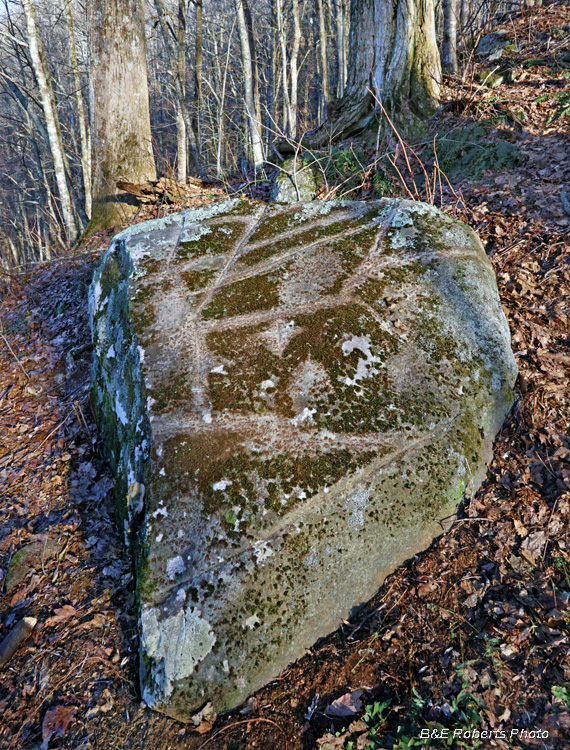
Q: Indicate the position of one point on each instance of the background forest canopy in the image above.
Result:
(227, 80)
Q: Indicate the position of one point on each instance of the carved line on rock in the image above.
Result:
(296, 514)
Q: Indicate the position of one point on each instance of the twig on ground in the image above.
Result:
(245, 721)
(15, 356)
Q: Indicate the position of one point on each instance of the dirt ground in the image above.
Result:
(475, 632)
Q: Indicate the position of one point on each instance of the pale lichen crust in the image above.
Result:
(293, 397)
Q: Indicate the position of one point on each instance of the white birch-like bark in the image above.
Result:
(249, 87)
(198, 66)
(294, 68)
(83, 125)
(282, 33)
(182, 140)
(49, 106)
(323, 61)
(121, 136)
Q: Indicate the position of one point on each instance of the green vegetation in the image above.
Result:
(468, 152)
(563, 109)
(415, 729)
(562, 694)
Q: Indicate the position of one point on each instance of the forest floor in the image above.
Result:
(474, 633)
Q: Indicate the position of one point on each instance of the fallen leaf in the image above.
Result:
(56, 722)
(61, 615)
(330, 742)
(348, 704)
(205, 719)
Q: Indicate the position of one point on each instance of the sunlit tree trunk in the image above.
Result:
(179, 80)
(198, 66)
(249, 70)
(323, 60)
(181, 73)
(392, 53)
(341, 37)
(49, 106)
(83, 125)
(294, 67)
(122, 145)
(282, 33)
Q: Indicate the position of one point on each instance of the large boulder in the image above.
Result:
(294, 399)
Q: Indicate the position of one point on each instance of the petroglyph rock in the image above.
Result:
(292, 397)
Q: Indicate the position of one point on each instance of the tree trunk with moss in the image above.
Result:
(393, 54)
(121, 137)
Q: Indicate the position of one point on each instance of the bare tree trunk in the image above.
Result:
(83, 126)
(294, 67)
(272, 88)
(173, 56)
(462, 17)
(249, 86)
(49, 107)
(122, 145)
(449, 51)
(181, 73)
(393, 52)
(198, 67)
(281, 30)
(341, 30)
(323, 61)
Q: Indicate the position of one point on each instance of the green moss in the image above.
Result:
(471, 150)
(173, 392)
(245, 296)
(272, 226)
(433, 339)
(220, 238)
(143, 316)
(149, 265)
(239, 389)
(341, 407)
(110, 276)
(165, 285)
(352, 251)
(244, 207)
(197, 279)
(309, 236)
(373, 291)
(252, 481)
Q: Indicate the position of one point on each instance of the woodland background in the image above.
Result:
(225, 83)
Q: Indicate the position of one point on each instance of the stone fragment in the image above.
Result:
(294, 400)
(296, 182)
(492, 42)
(29, 557)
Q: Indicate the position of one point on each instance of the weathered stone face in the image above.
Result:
(293, 398)
(296, 182)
